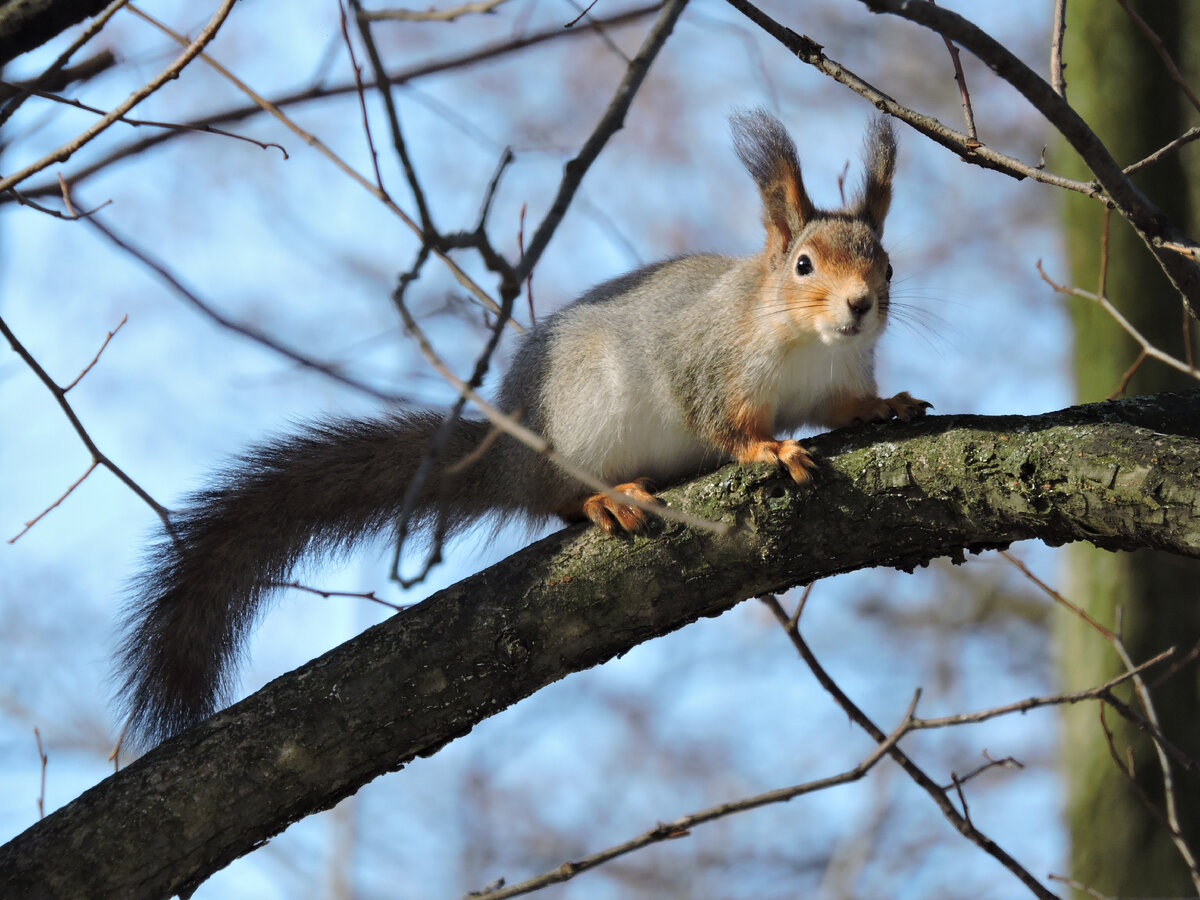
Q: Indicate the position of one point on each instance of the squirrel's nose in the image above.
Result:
(860, 305)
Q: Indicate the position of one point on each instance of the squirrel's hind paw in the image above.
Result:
(612, 516)
(789, 454)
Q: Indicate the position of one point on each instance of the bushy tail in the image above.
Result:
(318, 491)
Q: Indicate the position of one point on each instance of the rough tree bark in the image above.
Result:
(1122, 475)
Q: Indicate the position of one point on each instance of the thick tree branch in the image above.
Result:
(26, 24)
(1122, 474)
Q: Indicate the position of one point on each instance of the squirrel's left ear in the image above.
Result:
(876, 196)
(766, 150)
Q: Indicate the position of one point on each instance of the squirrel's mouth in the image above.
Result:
(849, 330)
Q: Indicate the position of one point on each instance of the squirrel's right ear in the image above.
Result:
(876, 195)
(767, 152)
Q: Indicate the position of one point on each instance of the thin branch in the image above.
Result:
(41, 800)
(316, 143)
(65, 494)
(1079, 886)
(98, 458)
(160, 269)
(1105, 692)
(321, 92)
(1152, 226)
(151, 123)
(811, 53)
(191, 50)
(356, 595)
(931, 787)
(362, 94)
(1147, 348)
(1057, 32)
(393, 114)
(1169, 795)
(963, 94)
(1100, 692)
(1186, 138)
(612, 120)
(1058, 598)
(479, 7)
(682, 826)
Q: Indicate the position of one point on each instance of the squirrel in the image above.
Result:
(650, 377)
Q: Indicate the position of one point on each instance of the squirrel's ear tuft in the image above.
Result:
(767, 152)
(876, 196)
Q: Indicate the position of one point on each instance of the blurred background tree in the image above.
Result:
(1118, 82)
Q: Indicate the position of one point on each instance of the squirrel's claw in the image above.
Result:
(613, 516)
(905, 407)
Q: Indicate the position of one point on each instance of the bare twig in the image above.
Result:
(1152, 226)
(1105, 691)
(98, 458)
(583, 11)
(1079, 886)
(963, 94)
(682, 826)
(95, 359)
(612, 120)
(191, 50)
(1186, 138)
(1170, 800)
(1100, 692)
(389, 103)
(430, 15)
(321, 92)
(65, 494)
(915, 772)
(151, 123)
(160, 269)
(312, 140)
(356, 595)
(1147, 348)
(362, 94)
(41, 800)
(1058, 598)
(1057, 31)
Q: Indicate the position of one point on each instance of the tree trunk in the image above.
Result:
(1119, 84)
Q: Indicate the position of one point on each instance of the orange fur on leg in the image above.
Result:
(750, 441)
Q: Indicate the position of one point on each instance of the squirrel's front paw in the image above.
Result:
(789, 454)
(905, 407)
(612, 516)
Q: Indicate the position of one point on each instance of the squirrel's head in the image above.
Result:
(825, 273)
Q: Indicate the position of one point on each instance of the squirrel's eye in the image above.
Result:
(804, 265)
(888, 275)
